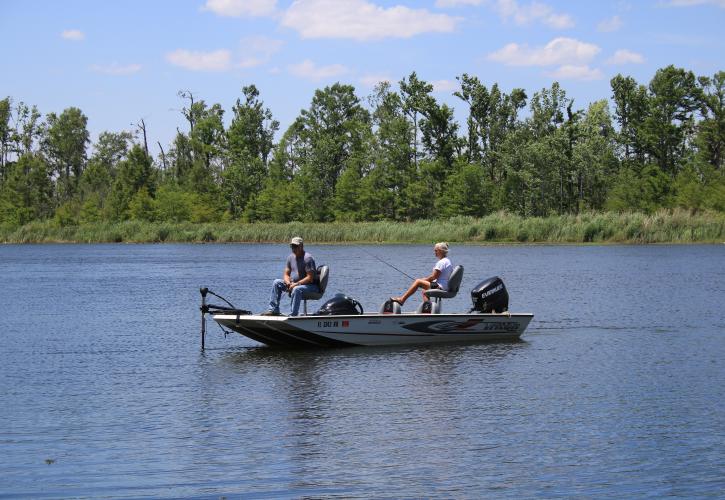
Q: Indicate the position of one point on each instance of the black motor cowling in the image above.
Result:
(490, 296)
(340, 305)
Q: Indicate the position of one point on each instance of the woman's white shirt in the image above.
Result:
(446, 268)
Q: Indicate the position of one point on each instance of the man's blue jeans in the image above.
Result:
(279, 286)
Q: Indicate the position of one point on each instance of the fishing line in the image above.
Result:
(388, 264)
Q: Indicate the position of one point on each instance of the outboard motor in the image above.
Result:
(339, 305)
(490, 296)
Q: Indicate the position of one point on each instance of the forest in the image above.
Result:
(395, 155)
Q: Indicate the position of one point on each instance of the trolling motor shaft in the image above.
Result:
(216, 309)
(204, 309)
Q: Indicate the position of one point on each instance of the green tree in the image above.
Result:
(467, 191)
(492, 115)
(250, 143)
(65, 146)
(100, 172)
(440, 134)
(28, 130)
(421, 192)
(5, 135)
(336, 132)
(710, 139)
(134, 173)
(674, 95)
(208, 137)
(546, 154)
(416, 98)
(594, 157)
(173, 204)
(27, 193)
(382, 192)
(346, 201)
(181, 158)
(141, 206)
(631, 108)
(645, 191)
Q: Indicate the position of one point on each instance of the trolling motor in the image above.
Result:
(216, 309)
(490, 296)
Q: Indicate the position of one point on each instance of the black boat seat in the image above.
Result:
(436, 296)
(323, 273)
(390, 307)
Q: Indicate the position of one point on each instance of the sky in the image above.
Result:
(123, 61)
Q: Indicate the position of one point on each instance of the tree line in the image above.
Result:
(394, 155)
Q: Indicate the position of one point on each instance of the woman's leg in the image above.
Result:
(419, 283)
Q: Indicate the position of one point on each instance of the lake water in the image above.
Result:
(617, 389)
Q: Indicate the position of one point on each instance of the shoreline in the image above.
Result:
(662, 227)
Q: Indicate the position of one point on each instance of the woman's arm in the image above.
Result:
(433, 276)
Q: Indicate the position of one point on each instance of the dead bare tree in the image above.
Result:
(163, 155)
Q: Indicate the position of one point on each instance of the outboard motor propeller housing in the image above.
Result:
(490, 296)
(340, 305)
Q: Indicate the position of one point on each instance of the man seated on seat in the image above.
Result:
(298, 278)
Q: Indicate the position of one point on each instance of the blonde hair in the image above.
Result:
(442, 246)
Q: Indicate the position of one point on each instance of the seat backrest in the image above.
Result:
(454, 283)
(323, 273)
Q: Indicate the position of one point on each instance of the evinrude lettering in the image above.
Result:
(492, 291)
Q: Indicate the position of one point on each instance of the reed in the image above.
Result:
(665, 226)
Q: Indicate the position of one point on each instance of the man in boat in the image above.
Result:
(438, 277)
(298, 278)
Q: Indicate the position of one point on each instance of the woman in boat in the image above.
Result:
(437, 279)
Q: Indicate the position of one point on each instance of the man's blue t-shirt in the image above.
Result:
(306, 263)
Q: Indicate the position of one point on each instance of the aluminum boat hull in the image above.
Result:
(376, 329)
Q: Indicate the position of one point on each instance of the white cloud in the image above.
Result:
(576, 72)
(559, 51)
(116, 69)
(257, 50)
(692, 3)
(218, 60)
(533, 12)
(361, 20)
(75, 35)
(456, 3)
(373, 80)
(241, 8)
(310, 71)
(445, 86)
(610, 25)
(253, 51)
(624, 56)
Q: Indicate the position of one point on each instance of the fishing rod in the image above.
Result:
(388, 264)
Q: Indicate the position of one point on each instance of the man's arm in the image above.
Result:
(310, 278)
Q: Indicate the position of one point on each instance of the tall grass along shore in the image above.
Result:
(665, 226)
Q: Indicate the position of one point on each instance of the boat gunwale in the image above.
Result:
(258, 317)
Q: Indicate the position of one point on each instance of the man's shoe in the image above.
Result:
(269, 313)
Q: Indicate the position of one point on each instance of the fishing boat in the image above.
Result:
(341, 321)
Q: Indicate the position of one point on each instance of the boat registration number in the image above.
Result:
(333, 324)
